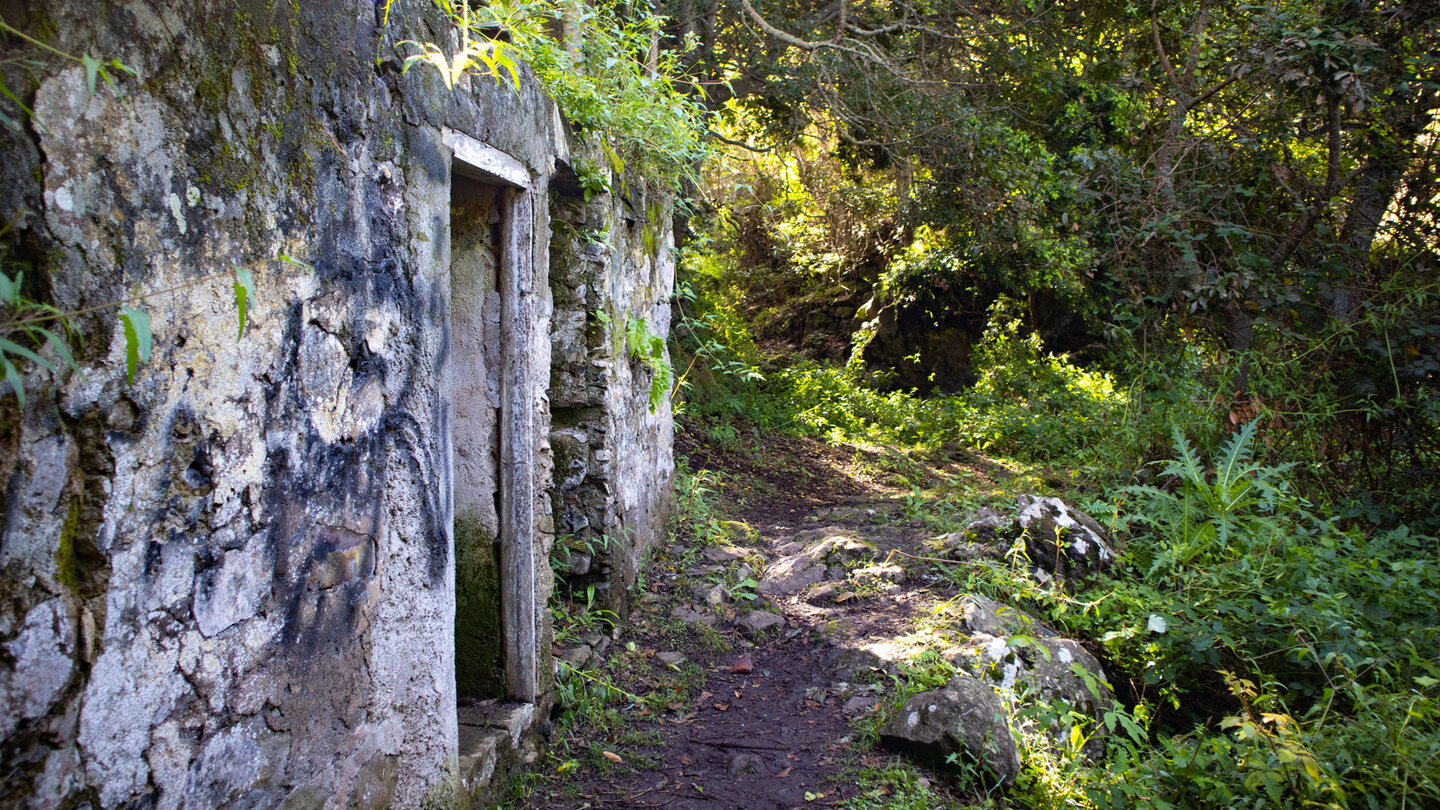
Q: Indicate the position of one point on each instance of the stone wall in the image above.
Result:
(608, 264)
(232, 582)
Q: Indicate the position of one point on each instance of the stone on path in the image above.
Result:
(821, 555)
(690, 616)
(758, 621)
(965, 717)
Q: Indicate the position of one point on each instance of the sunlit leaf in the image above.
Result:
(244, 291)
(137, 340)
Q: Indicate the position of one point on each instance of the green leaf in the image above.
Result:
(288, 259)
(61, 348)
(244, 290)
(10, 288)
(11, 347)
(92, 69)
(13, 377)
(137, 340)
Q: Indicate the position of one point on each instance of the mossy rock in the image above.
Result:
(740, 533)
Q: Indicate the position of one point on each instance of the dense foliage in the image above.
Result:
(1179, 261)
(1250, 187)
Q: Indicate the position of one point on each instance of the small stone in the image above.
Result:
(858, 705)
(578, 657)
(822, 593)
(690, 616)
(711, 594)
(670, 658)
(742, 665)
(882, 573)
(746, 763)
(721, 554)
(758, 621)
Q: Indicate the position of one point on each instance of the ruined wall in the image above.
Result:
(232, 582)
(608, 263)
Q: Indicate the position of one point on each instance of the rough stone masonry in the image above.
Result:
(233, 582)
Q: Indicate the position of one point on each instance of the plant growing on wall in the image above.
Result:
(649, 349)
(24, 320)
(608, 78)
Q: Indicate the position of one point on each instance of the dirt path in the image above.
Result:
(768, 718)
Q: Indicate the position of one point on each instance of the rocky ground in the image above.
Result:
(826, 648)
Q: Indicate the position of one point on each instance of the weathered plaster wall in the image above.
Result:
(231, 583)
(609, 262)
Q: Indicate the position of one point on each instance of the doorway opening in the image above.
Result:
(476, 257)
(492, 401)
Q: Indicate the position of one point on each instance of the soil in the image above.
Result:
(778, 735)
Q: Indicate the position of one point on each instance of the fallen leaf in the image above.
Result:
(612, 756)
(722, 707)
(737, 694)
(675, 707)
(686, 760)
(845, 597)
(784, 773)
(706, 695)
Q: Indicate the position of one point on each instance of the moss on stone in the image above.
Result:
(67, 571)
(479, 634)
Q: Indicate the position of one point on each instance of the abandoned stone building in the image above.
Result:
(306, 563)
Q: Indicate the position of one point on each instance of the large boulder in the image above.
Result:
(814, 556)
(1047, 669)
(966, 718)
(1061, 539)
(981, 614)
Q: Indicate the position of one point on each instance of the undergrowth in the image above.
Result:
(1274, 640)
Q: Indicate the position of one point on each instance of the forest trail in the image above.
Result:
(775, 695)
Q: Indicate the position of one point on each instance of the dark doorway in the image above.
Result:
(476, 260)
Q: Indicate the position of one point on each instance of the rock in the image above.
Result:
(792, 574)
(670, 658)
(964, 552)
(857, 665)
(858, 705)
(965, 717)
(821, 557)
(742, 666)
(723, 554)
(758, 621)
(578, 656)
(572, 560)
(1045, 669)
(690, 616)
(981, 614)
(44, 660)
(823, 593)
(746, 763)
(236, 589)
(738, 531)
(988, 534)
(1062, 539)
(711, 594)
(892, 573)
